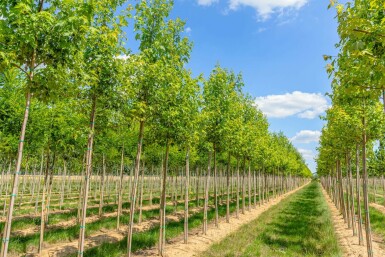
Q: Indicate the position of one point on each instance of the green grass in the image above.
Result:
(21, 244)
(149, 238)
(299, 225)
(377, 221)
(55, 218)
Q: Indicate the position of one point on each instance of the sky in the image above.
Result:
(278, 46)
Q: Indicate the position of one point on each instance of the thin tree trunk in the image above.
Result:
(365, 192)
(81, 186)
(87, 177)
(237, 211)
(243, 186)
(207, 188)
(197, 186)
(8, 221)
(259, 188)
(353, 213)
(255, 188)
(187, 183)
(358, 189)
(249, 186)
(102, 187)
(120, 189)
(162, 227)
(341, 191)
(383, 188)
(39, 182)
(215, 188)
(63, 184)
(228, 189)
(134, 186)
(50, 188)
(42, 220)
(152, 184)
(141, 194)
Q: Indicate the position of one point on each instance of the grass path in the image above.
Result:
(299, 225)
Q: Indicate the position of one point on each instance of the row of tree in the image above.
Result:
(352, 141)
(65, 72)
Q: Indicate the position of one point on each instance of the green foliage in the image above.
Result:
(358, 83)
(71, 55)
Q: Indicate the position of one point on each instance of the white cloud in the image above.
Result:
(265, 8)
(303, 105)
(123, 57)
(307, 154)
(188, 30)
(207, 2)
(306, 136)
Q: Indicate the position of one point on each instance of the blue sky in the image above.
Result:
(278, 47)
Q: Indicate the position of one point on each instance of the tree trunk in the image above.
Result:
(133, 188)
(259, 188)
(39, 182)
(255, 188)
(353, 213)
(383, 188)
(249, 186)
(162, 227)
(215, 188)
(207, 188)
(87, 177)
(187, 183)
(42, 220)
(228, 189)
(8, 221)
(120, 189)
(197, 186)
(102, 187)
(243, 186)
(63, 184)
(341, 191)
(141, 194)
(365, 192)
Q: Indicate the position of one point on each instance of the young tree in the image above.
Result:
(162, 52)
(42, 39)
(102, 78)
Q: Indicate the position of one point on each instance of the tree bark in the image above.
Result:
(187, 183)
(162, 209)
(134, 186)
(87, 177)
(120, 189)
(8, 221)
(216, 187)
(207, 188)
(102, 186)
(365, 192)
(228, 189)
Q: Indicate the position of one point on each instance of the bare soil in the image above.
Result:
(347, 241)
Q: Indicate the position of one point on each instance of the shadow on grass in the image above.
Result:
(302, 227)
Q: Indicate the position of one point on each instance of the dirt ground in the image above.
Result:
(347, 241)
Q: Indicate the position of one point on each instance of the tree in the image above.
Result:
(41, 39)
(162, 52)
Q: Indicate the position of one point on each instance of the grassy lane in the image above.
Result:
(299, 225)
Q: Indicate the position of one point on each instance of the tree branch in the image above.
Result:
(367, 32)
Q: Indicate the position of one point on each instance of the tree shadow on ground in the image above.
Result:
(300, 227)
